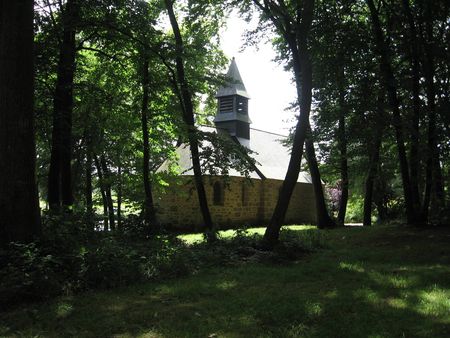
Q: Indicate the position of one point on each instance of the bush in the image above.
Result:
(355, 209)
(26, 273)
(72, 258)
(110, 264)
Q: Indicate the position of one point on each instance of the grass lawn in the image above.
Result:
(367, 282)
(198, 237)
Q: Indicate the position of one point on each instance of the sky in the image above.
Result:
(269, 86)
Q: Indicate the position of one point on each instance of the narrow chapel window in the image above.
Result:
(218, 194)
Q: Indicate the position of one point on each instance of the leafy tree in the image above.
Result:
(184, 88)
(416, 210)
(292, 21)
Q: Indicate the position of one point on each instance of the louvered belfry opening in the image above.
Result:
(229, 104)
(232, 105)
(226, 104)
(242, 105)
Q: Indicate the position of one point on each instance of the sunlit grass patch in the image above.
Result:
(313, 309)
(198, 237)
(355, 267)
(147, 334)
(192, 238)
(63, 309)
(435, 302)
(368, 295)
(298, 330)
(397, 303)
(227, 284)
(400, 282)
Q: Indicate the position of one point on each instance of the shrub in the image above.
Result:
(355, 209)
(111, 263)
(26, 273)
(73, 257)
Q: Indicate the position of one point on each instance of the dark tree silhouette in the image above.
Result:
(19, 207)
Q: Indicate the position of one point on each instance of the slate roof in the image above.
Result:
(271, 155)
(235, 85)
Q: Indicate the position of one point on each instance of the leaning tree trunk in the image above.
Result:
(394, 102)
(19, 206)
(185, 96)
(323, 218)
(149, 207)
(60, 177)
(297, 42)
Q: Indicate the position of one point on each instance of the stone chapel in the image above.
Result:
(242, 201)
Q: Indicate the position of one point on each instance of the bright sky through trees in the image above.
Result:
(267, 83)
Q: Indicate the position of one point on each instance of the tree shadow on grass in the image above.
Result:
(393, 287)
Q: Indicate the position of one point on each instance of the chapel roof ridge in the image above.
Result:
(269, 132)
(257, 129)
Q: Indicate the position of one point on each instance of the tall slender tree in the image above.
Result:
(394, 103)
(374, 160)
(149, 207)
(60, 192)
(433, 169)
(185, 97)
(292, 21)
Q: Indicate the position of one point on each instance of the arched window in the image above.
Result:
(218, 194)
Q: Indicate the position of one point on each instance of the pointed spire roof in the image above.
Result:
(234, 84)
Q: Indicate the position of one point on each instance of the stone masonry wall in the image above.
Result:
(245, 202)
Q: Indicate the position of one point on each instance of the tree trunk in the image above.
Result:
(394, 102)
(19, 204)
(108, 193)
(298, 46)
(119, 197)
(415, 133)
(323, 218)
(433, 173)
(185, 96)
(88, 181)
(149, 207)
(342, 135)
(101, 183)
(60, 178)
(342, 140)
(373, 165)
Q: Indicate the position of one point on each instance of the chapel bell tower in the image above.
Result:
(232, 110)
